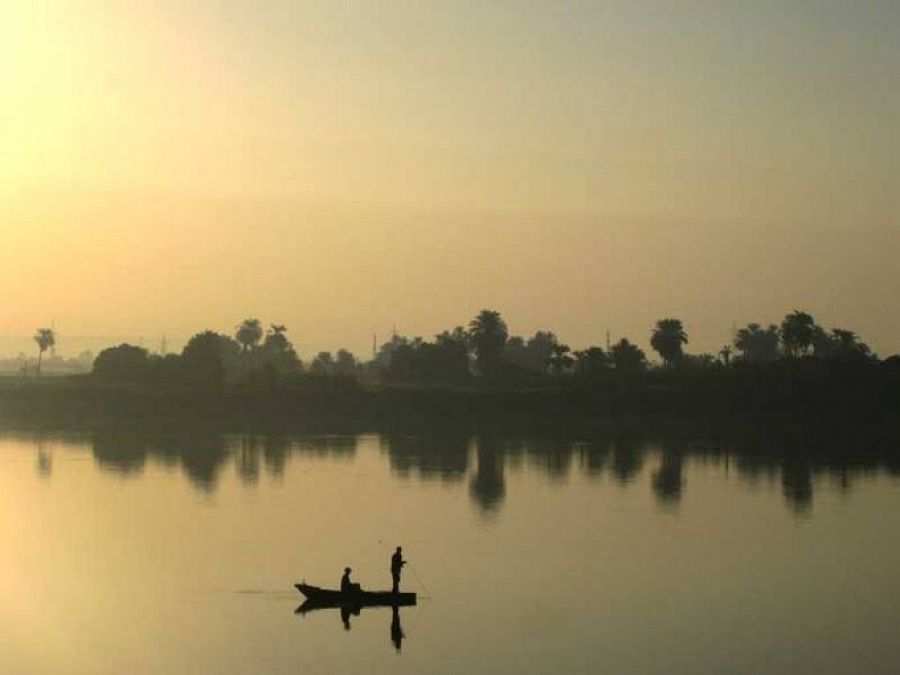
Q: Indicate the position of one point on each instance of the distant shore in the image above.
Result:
(796, 393)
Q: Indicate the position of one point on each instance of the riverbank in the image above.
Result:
(807, 395)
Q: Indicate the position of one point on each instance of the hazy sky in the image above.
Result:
(342, 167)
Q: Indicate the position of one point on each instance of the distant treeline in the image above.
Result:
(482, 353)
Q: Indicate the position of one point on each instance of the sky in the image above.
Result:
(345, 168)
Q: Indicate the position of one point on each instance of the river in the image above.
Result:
(177, 553)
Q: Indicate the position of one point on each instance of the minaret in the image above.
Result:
(163, 346)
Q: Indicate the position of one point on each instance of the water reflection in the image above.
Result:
(792, 457)
(668, 478)
(346, 612)
(444, 457)
(488, 485)
(44, 460)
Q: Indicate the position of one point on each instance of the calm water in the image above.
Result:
(126, 554)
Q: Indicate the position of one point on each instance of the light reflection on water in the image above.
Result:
(131, 552)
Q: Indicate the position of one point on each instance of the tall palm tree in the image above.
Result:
(798, 330)
(487, 335)
(45, 338)
(249, 333)
(668, 339)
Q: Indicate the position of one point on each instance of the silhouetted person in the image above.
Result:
(396, 631)
(348, 586)
(397, 563)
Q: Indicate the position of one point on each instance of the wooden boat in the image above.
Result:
(322, 597)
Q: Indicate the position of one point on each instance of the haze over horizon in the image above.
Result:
(344, 169)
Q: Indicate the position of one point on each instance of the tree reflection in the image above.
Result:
(442, 456)
(797, 486)
(789, 456)
(44, 459)
(593, 457)
(488, 486)
(121, 451)
(668, 479)
(627, 459)
(553, 457)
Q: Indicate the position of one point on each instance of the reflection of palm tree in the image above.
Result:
(627, 460)
(593, 457)
(796, 484)
(555, 457)
(488, 486)
(668, 479)
(275, 451)
(248, 460)
(44, 459)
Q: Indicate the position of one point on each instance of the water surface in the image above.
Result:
(177, 554)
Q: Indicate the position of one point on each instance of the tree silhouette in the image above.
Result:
(45, 338)
(533, 355)
(278, 352)
(122, 363)
(840, 344)
(560, 359)
(846, 344)
(345, 363)
(798, 330)
(249, 333)
(591, 361)
(487, 335)
(323, 364)
(208, 357)
(757, 344)
(628, 357)
(725, 354)
(668, 339)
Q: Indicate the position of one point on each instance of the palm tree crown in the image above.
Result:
(668, 339)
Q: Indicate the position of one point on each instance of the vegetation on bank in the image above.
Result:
(482, 353)
(478, 371)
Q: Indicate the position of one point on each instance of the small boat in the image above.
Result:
(323, 597)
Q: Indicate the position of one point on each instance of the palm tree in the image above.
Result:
(668, 338)
(798, 330)
(248, 334)
(487, 334)
(45, 339)
(277, 351)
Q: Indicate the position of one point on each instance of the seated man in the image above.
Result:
(348, 586)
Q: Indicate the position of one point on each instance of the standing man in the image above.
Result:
(397, 563)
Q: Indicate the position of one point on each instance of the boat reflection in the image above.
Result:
(347, 611)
